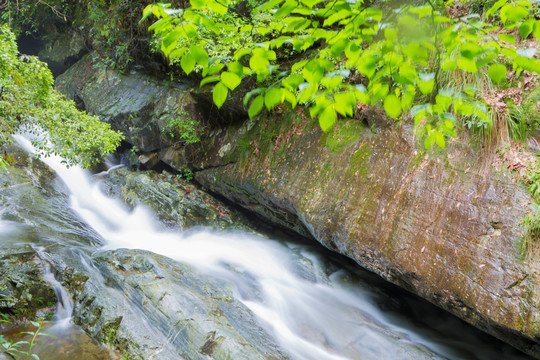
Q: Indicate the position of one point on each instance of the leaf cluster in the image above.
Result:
(345, 53)
(29, 102)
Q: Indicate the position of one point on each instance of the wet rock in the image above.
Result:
(135, 104)
(443, 226)
(23, 292)
(62, 49)
(149, 306)
(176, 202)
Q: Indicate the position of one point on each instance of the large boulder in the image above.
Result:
(136, 104)
(444, 226)
(152, 307)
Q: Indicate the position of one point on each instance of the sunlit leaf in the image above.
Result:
(187, 63)
(231, 80)
(392, 106)
(256, 106)
(497, 72)
(219, 95)
(327, 118)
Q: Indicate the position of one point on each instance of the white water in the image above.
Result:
(64, 305)
(313, 319)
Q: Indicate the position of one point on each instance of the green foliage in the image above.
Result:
(182, 128)
(23, 347)
(338, 53)
(110, 25)
(28, 102)
(185, 174)
(525, 117)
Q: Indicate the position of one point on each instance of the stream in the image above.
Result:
(310, 303)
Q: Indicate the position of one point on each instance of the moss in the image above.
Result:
(359, 162)
(343, 134)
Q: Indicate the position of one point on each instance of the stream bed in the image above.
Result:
(160, 293)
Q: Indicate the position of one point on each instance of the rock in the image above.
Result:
(423, 222)
(149, 306)
(23, 291)
(135, 104)
(176, 202)
(62, 49)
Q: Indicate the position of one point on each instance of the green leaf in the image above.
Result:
(187, 63)
(495, 7)
(345, 103)
(236, 68)
(508, 38)
(238, 54)
(367, 64)
(526, 28)
(337, 49)
(392, 106)
(512, 14)
(172, 37)
(408, 73)
(216, 7)
(285, 9)
(231, 80)
(497, 72)
(197, 4)
(439, 139)
(327, 118)
(426, 82)
(293, 81)
(219, 94)
(331, 82)
(256, 106)
(199, 54)
(467, 64)
(340, 15)
(215, 68)
(536, 29)
(407, 98)
(272, 98)
(209, 79)
(470, 50)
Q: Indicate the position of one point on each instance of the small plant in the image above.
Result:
(14, 349)
(185, 174)
(182, 128)
(527, 244)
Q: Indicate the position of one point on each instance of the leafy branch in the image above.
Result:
(399, 62)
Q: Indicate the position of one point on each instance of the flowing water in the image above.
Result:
(336, 313)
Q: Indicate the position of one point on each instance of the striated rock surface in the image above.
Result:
(443, 226)
(176, 202)
(152, 307)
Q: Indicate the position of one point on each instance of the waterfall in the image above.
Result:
(311, 316)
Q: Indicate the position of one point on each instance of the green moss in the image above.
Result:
(359, 162)
(343, 134)
(244, 146)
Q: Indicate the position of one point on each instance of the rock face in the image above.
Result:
(442, 226)
(152, 307)
(177, 203)
(134, 103)
(23, 290)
